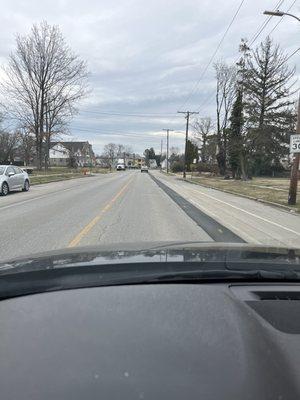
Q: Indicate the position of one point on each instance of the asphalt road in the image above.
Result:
(110, 208)
(132, 207)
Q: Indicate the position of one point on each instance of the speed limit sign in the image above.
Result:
(295, 144)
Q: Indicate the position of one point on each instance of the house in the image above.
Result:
(152, 163)
(134, 160)
(75, 154)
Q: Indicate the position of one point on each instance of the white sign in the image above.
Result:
(295, 144)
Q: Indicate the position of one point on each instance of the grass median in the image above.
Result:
(271, 190)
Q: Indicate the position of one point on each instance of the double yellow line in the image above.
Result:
(74, 242)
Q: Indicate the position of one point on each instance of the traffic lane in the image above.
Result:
(253, 221)
(144, 213)
(42, 190)
(50, 222)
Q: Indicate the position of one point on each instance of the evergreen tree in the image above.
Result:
(268, 108)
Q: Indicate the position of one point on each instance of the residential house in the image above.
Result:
(76, 154)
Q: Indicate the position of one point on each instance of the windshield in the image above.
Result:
(146, 125)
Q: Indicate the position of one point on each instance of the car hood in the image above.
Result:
(154, 253)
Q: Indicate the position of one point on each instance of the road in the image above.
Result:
(134, 207)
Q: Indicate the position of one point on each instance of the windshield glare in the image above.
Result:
(2, 169)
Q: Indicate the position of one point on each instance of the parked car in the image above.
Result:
(144, 168)
(120, 167)
(13, 178)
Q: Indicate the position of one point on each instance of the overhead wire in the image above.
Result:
(213, 55)
(115, 113)
(281, 19)
(255, 37)
(264, 25)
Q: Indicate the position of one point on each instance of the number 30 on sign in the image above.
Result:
(295, 144)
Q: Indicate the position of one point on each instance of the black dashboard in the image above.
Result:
(161, 341)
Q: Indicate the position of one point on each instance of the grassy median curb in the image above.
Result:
(271, 191)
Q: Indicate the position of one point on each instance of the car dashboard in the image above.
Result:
(152, 341)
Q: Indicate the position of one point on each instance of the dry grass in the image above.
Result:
(273, 190)
(66, 170)
(36, 180)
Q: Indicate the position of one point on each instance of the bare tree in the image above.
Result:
(43, 82)
(26, 145)
(9, 143)
(225, 91)
(202, 130)
(110, 154)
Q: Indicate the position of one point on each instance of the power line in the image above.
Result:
(254, 38)
(144, 115)
(213, 55)
(281, 19)
(114, 131)
(264, 25)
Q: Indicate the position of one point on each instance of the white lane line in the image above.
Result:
(239, 209)
(43, 196)
(248, 212)
(236, 230)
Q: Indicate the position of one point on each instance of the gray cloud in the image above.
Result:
(144, 57)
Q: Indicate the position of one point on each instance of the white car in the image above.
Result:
(144, 168)
(120, 167)
(13, 178)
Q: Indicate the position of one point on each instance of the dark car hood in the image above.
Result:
(157, 252)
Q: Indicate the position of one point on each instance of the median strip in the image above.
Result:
(96, 219)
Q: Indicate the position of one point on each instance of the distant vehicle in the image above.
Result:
(120, 167)
(144, 168)
(13, 178)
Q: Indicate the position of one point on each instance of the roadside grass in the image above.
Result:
(37, 180)
(62, 173)
(273, 190)
(66, 170)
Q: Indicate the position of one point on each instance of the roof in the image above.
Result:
(73, 146)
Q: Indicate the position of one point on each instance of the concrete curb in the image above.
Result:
(270, 203)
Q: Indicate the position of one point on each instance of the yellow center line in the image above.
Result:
(74, 242)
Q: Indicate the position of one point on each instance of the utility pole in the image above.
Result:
(295, 167)
(168, 131)
(161, 147)
(187, 117)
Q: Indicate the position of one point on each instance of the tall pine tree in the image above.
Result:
(269, 111)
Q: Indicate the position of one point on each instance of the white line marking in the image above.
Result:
(236, 230)
(249, 213)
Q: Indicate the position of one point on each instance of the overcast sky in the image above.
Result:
(145, 58)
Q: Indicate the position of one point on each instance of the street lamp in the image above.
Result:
(279, 13)
(295, 167)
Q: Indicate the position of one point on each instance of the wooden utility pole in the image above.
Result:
(161, 147)
(168, 131)
(187, 116)
(295, 168)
